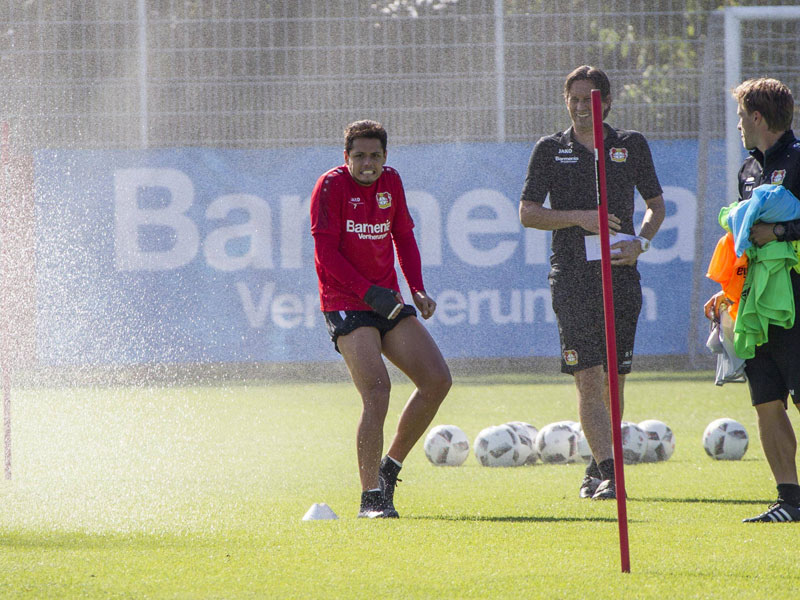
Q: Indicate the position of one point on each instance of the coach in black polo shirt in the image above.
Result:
(765, 110)
(562, 166)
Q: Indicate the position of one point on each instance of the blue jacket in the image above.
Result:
(770, 204)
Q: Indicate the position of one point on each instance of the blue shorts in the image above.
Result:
(342, 322)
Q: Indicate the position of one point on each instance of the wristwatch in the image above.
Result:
(644, 243)
(779, 229)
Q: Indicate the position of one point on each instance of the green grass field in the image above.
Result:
(199, 493)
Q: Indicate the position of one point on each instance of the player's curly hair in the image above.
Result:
(598, 78)
(770, 97)
(364, 129)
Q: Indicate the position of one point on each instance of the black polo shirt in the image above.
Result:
(773, 372)
(780, 165)
(565, 169)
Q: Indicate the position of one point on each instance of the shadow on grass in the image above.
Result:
(702, 500)
(83, 541)
(512, 519)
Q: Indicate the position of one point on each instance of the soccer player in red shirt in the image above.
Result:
(358, 216)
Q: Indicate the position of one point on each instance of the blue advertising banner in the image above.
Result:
(205, 255)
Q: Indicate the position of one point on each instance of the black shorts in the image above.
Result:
(342, 322)
(774, 372)
(578, 305)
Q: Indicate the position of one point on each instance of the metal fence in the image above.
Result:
(254, 74)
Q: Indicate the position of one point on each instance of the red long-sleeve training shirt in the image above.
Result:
(353, 228)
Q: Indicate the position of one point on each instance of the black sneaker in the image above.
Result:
(607, 490)
(588, 486)
(371, 505)
(387, 478)
(780, 512)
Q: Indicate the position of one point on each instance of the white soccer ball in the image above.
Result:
(725, 439)
(573, 424)
(557, 443)
(634, 443)
(527, 435)
(576, 427)
(497, 446)
(660, 440)
(446, 445)
(534, 452)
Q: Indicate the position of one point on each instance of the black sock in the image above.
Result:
(592, 470)
(370, 498)
(606, 468)
(390, 466)
(789, 493)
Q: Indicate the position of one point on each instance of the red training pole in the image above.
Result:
(611, 335)
(5, 353)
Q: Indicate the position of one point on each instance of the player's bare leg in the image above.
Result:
(412, 350)
(361, 351)
(780, 446)
(607, 395)
(594, 410)
(778, 440)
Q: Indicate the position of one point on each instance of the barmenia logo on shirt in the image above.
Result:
(369, 231)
